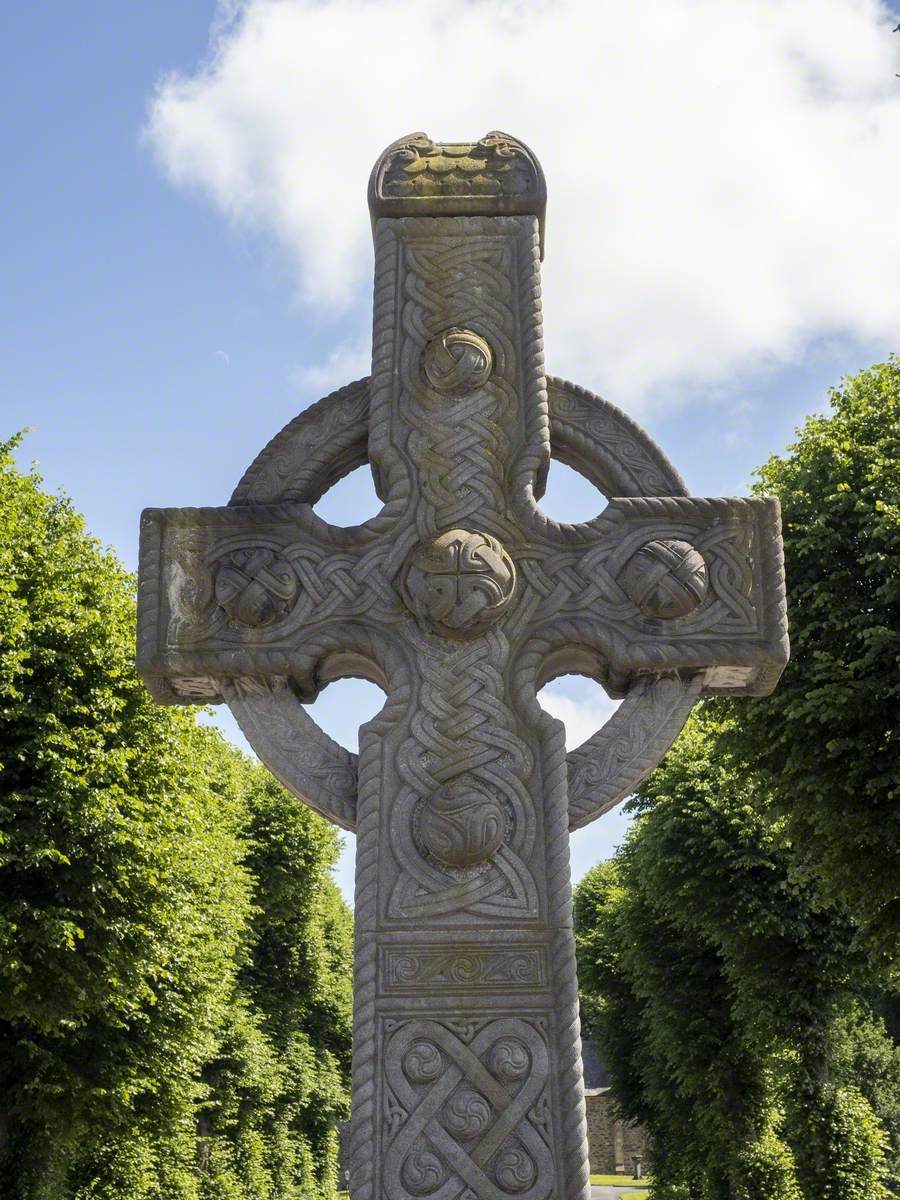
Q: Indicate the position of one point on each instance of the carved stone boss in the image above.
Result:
(461, 599)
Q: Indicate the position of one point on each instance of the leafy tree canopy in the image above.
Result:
(174, 995)
(733, 957)
(726, 997)
(827, 741)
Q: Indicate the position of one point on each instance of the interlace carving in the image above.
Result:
(665, 578)
(457, 362)
(460, 825)
(461, 441)
(460, 598)
(468, 1102)
(466, 736)
(255, 586)
(459, 582)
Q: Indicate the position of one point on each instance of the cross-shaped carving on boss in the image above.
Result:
(461, 599)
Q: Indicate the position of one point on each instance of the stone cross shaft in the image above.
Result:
(461, 599)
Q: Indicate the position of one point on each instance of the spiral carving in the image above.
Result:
(466, 1114)
(470, 1122)
(422, 1172)
(510, 1060)
(514, 1169)
(460, 826)
(423, 1062)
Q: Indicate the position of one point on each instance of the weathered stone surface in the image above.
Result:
(461, 599)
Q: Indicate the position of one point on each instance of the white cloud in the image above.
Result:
(582, 718)
(724, 178)
(345, 362)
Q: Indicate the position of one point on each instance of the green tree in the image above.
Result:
(864, 1051)
(656, 999)
(826, 743)
(278, 1088)
(758, 885)
(720, 987)
(122, 901)
(141, 1044)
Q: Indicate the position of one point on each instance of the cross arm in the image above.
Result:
(236, 593)
(664, 584)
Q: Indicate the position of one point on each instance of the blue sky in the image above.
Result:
(164, 317)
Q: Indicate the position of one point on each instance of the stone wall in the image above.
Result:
(612, 1142)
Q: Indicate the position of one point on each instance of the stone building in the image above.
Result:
(612, 1142)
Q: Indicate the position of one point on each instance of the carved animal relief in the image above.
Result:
(460, 599)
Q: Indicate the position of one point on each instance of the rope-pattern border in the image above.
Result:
(574, 1166)
(372, 745)
(531, 469)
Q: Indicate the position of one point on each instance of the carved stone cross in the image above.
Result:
(461, 599)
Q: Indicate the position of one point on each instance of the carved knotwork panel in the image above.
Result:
(609, 593)
(463, 831)
(453, 433)
(229, 589)
(465, 1106)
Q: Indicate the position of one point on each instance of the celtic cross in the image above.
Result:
(461, 599)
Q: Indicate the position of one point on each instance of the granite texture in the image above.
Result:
(460, 599)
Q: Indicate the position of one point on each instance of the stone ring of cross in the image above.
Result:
(461, 599)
